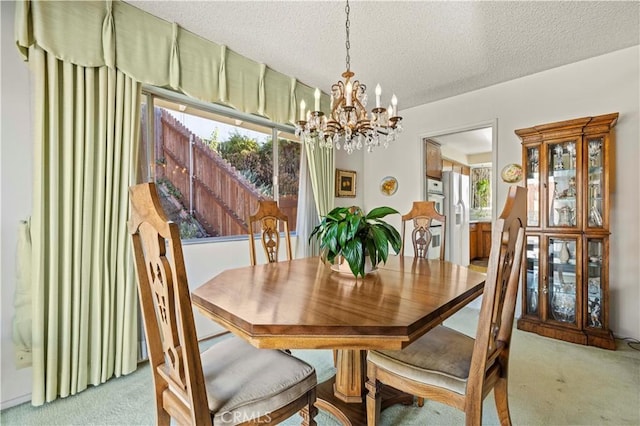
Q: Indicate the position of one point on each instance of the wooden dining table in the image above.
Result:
(304, 304)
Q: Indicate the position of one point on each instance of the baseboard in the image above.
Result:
(15, 401)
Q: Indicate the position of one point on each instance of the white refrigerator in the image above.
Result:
(456, 209)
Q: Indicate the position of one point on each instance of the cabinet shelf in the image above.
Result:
(567, 293)
(564, 173)
(564, 293)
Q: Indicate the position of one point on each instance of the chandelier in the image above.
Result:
(349, 126)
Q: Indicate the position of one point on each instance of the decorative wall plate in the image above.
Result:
(512, 173)
(389, 185)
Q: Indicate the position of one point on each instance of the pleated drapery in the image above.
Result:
(84, 290)
(89, 60)
(159, 53)
(307, 217)
(321, 170)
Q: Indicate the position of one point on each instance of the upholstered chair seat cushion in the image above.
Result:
(244, 382)
(442, 357)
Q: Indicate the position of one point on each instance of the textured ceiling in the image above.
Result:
(422, 50)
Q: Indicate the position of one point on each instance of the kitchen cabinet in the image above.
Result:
(479, 240)
(433, 159)
(454, 166)
(567, 166)
(473, 241)
(484, 239)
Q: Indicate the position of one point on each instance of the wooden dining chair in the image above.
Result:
(449, 367)
(230, 383)
(268, 217)
(422, 215)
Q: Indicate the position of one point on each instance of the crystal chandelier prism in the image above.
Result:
(349, 126)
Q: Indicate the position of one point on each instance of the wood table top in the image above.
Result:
(304, 304)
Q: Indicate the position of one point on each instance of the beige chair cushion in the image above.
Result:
(441, 357)
(244, 382)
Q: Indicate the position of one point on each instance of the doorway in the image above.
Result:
(465, 149)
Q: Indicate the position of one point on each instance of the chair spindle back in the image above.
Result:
(269, 216)
(166, 306)
(422, 214)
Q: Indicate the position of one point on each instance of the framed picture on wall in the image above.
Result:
(345, 183)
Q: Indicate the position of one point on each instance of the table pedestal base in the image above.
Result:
(354, 413)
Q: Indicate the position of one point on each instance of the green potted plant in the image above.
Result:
(347, 232)
(482, 192)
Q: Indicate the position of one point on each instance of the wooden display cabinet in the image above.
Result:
(565, 280)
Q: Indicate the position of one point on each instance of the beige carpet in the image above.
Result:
(479, 265)
(551, 383)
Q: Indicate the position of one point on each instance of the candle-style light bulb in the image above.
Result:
(348, 91)
(303, 105)
(394, 102)
(390, 111)
(316, 95)
(378, 93)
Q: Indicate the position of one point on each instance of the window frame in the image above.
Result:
(226, 115)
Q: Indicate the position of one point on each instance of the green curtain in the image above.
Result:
(84, 290)
(159, 53)
(322, 173)
(307, 217)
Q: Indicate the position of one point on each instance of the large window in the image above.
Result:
(212, 165)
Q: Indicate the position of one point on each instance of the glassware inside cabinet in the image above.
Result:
(532, 269)
(533, 186)
(562, 184)
(594, 279)
(595, 180)
(562, 279)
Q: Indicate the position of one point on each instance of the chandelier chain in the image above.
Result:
(349, 126)
(347, 44)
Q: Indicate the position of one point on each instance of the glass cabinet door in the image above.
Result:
(595, 181)
(532, 275)
(562, 279)
(532, 165)
(595, 278)
(562, 184)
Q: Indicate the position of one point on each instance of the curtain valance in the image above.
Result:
(156, 52)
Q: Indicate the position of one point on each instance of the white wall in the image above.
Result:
(609, 83)
(16, 158)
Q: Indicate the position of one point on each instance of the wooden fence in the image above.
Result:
(222, 198)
